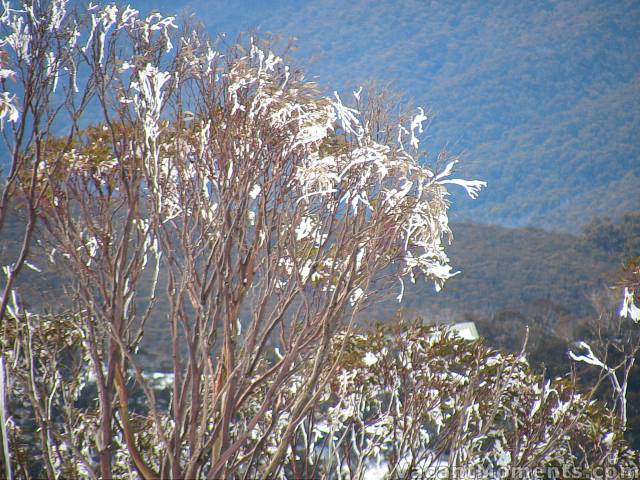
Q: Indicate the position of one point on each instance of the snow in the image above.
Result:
(629, 308)
(370, 359)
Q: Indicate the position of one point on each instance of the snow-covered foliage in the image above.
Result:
(415, 401)
(47, 370)
(630, 283)
(405, 401)
(52, 389)
(629, 308)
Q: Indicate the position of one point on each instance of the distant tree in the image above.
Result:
(602, 233)
(621, 239)
(630, 228)
(611, 344)
(630, 284)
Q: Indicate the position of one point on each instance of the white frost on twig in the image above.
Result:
(629, 308)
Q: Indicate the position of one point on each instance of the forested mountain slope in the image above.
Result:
(527, 270)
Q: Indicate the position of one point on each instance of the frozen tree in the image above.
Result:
(263, 213)
(38, 57)
(411, 401)
(615, 341)
(631, 291)
(272, 211)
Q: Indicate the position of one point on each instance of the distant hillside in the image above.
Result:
(525, 269)
(541, 98)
